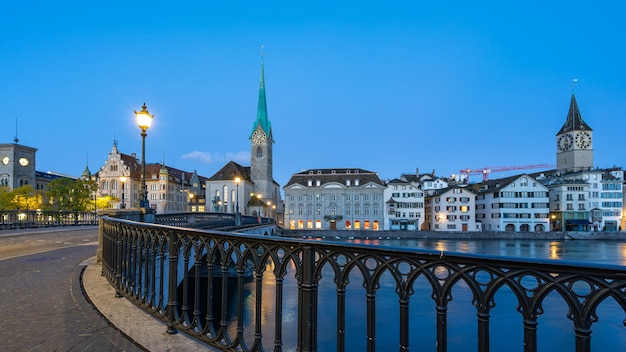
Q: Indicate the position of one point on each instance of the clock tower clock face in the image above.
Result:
(23, 161)
(5, 160)
(258, 137)
(583, 140)
(565, 142)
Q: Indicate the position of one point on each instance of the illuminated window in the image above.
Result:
(309, 224)
(300, 224)
(348, 224)
(376, 228)
(318, 224)
(357, 224)
(366, 224)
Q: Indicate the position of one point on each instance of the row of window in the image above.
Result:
(375, 210)
(303, 197)
(523, 194)
(317, 224)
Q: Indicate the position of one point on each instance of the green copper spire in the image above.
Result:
(261, 114)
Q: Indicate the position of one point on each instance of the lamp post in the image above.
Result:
(123, 180)
(144, 120)
(237, 213)
(237, 180)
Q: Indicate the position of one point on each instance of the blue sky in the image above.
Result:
(388, 87)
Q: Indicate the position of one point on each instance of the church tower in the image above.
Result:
(574, 142)
(261, 147)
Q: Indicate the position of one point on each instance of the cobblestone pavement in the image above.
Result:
(42, 305)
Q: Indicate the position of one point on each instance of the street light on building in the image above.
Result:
(123, 180)
(144, 120)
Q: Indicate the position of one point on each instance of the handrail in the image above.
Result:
(194, 280)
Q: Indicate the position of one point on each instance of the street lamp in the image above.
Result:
(237, 180)
(144, 120)
(123, 180)
(237, 213)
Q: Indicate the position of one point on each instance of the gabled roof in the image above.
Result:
(574, 121)
(438, 192)
(326, 176)
(230, 171)
(495, 185)
(395, 180)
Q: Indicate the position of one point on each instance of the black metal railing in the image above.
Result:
(39, 218)
(253, 293)
(208, 220)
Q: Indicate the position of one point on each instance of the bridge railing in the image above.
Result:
(252, 293)
(15, 219)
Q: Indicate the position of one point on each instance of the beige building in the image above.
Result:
(451, 209)
(170, 190)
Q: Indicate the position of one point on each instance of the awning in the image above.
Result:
(579, 222)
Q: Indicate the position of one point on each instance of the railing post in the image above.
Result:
(307, 302)
(483, 331)
(583, 339)
(442, 328)
(530, 335)
(172, 279)
(118, 261)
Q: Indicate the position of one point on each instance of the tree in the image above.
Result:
(68, 194)
(23, 198)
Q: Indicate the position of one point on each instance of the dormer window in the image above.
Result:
(318, 183)
(310, 183)
(333, 172)
(347, 182)
(348, 172)
(319, 172)
(356, 182)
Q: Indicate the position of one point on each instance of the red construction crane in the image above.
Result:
(487, 170)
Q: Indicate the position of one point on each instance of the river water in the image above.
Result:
(554, 333)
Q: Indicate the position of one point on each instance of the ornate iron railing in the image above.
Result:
(254, 293)
(38, 218)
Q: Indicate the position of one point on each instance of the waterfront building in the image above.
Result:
(404, 205)
(451, 209)
(329, 199)
(256, 192)
(512, 204)
(170, 190)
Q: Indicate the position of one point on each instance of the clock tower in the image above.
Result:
(17, 165)
(574, 142)
(261, 147)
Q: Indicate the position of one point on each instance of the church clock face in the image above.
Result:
(258, 137)
(23, 161)
(583, 140)
(5, 160)
(565, 142)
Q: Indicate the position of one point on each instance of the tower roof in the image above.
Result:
(574, 121)
(261, 114)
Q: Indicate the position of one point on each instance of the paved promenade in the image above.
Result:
(54, 298)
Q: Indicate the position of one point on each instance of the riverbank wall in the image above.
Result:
(440, 235)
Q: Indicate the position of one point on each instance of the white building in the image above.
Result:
(329, 199)
(512, 204)
(451, 209)
(404, 206)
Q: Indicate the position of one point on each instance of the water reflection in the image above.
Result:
(556, 331)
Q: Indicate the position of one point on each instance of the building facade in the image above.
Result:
(512, 204)
(169, 190)
(404, 205)
(335, 199)
(451, 209)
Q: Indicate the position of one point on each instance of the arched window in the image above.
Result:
(259, 152)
